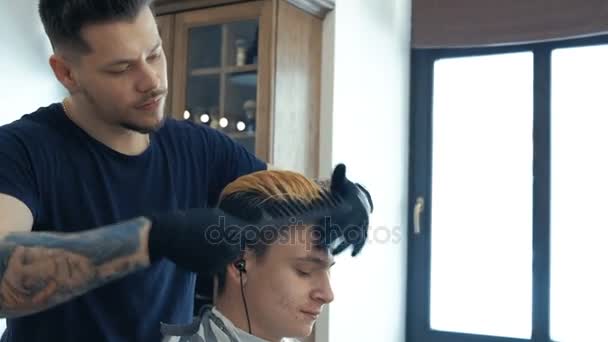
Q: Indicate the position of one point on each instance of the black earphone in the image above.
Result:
(241, 265)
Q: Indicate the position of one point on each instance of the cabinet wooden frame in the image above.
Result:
(216, 16)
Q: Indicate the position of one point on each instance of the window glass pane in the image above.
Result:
(242, 43)
(205, 47)
(579, 186)
(203, 98)
(481, 249)
(240, 107)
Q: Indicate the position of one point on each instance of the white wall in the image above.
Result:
(365, 124)
(26, 81)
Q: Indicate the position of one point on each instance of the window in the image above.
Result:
(509, 240)
(579, 187)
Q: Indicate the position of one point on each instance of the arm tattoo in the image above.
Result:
(40, 270)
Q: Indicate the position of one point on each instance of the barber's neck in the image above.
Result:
(82, 113)
(230, 304)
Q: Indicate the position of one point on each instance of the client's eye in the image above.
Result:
(302, 274)
(118, 71)
(154, 56)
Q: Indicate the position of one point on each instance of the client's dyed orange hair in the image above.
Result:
(274, 185)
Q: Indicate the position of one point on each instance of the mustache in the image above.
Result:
(151, 95)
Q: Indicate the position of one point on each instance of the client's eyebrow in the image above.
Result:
(316, 260)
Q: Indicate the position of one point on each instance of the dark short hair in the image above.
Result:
(63, 20)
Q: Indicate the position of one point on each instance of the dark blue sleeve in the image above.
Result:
(16, 172)
(228, 160)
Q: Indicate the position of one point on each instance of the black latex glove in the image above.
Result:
(202, 240)
(349, 228)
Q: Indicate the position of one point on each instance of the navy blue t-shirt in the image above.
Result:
(72, 182)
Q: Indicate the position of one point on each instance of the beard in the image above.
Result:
(133, 126)
(144, 129)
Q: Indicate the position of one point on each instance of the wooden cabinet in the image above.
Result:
(250, 69)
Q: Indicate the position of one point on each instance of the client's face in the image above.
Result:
(289, 286)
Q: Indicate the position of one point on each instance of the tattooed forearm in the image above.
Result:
(40, 270)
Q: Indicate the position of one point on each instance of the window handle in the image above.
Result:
(418, 209)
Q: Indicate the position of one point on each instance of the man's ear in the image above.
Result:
(64, 72)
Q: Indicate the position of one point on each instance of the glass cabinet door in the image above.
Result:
(221, 78)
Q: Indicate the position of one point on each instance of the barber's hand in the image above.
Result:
(349, 227)
(202, 240)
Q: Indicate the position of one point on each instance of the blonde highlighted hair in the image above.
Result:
(275, 186)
